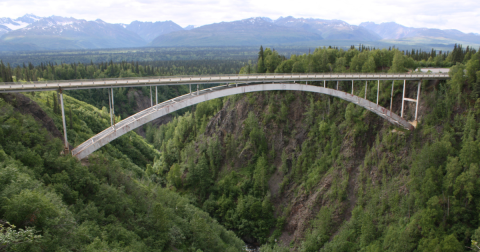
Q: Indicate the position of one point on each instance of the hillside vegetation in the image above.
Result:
(104, 203)
(314, 172)
(285, 170)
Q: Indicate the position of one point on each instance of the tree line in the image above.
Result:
(54, 71)
(355, 60)
(210, 166)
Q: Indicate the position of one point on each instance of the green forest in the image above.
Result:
(141, 54)
(281, 170)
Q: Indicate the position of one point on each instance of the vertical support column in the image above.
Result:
(391, 97)
(151, 99)
(366, 89)
(306, 82)
(64, 124)
(156, 95)
(352, 86)
(378, 89)
(113, 109)
(110, 107)
(324, 85)
(337, 84)
(418, 98)
(190, 88)
(403, 97)
(198, 92)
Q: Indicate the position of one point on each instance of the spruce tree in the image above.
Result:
(260, 54)
(261, 64)
(55, 104)
(476, 86)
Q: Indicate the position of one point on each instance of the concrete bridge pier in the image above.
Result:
(366, 82)
(391, 97)
(378, 89)
(412, 100)
(403, 98)
(110, 107)
(418, 99)
(65, 141)
(151, 99)
(112, 110)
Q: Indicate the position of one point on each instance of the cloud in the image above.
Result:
(462, 15)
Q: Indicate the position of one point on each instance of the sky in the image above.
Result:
(461, 15)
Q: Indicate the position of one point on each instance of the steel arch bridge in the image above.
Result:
(241, 84)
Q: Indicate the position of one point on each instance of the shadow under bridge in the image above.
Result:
(161, 109)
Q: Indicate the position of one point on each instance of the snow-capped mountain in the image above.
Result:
(31, 32)
(28, 18)
(69, 33)
(190, 27)
(329, 29)
(262, 30)
(392, 31)
(246, 32)
(150, 30)
(7, 24)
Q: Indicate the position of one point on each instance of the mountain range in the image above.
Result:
(391, 30)
(7, 24)
(31, 32)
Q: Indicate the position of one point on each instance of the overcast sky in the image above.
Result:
(462, 15)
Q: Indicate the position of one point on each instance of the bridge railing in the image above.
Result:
(132, 120)
(217, 76)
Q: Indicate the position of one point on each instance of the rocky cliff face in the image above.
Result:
(316, 173)
(25, 105)
(293, 123)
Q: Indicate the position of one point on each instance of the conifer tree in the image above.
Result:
(261, 64)
(55, 104)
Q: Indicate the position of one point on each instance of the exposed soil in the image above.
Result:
(296, 203)
(304, 206)
(25, 105)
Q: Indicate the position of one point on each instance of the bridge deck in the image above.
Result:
(161, 109)
(208, 79)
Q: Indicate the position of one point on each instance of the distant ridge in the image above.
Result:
(149, 30)
(262, 30)
(7, 24)
(329, 29)
(31, 32)
(392, 30)
(56, 32)
(247, 32)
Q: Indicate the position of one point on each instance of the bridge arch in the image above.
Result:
(161, 109)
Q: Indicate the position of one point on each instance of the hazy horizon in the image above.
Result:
(462, 15)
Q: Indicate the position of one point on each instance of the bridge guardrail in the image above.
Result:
(67, 84)
(87, 145)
